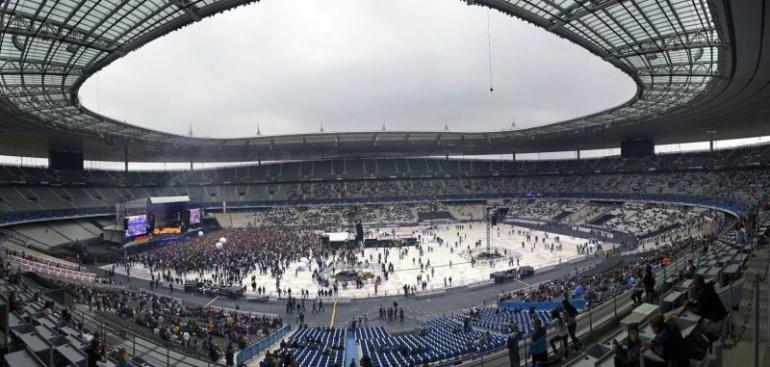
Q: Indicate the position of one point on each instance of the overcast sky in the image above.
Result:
(288, 65)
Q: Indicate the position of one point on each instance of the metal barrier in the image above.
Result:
(757, 312)
(593, 318)
(119, 336)
(140, 346)
(261, 345)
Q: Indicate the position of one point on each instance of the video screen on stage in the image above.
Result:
(169, 215)
(195, 216)
(136, 225)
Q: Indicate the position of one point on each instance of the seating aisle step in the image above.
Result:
(351, 351)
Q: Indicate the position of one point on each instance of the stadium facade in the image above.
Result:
(701, 69)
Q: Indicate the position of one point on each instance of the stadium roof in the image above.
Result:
(699, 66)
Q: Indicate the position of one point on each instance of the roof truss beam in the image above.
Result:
(17, 91)
(188, 7)
(19, 24)
(699, 68)
(579, 9)
(9, 65)
(696, 39)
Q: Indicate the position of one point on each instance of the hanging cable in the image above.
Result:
(98, 102)
(489, 39)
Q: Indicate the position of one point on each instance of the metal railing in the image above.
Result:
(756, 290)
(261, 345)
(593, 319)
(117, 335)
(140, 346)
(147, 334)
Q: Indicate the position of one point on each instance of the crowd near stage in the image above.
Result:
(430, 258)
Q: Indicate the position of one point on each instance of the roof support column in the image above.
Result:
(711, 134)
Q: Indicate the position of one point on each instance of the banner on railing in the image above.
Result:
(480, 283)
(431, 292)
(539, 306)
(245, 312)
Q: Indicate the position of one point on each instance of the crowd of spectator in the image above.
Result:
(271, 249)
(386, 168)
(738, 186)
(397, 214)
(596, 287)
(543, 209)
(326, 215)
(362, 214)
(279, 216)
(268, 250)
(192, 327)
(643, 219)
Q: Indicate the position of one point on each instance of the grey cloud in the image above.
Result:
(288, 65)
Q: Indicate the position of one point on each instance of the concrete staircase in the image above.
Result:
(756, 270)
(470, 211)
(742, 352)
(584, 214)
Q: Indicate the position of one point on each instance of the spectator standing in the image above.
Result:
(560, 329)
(539, 347)
(667, 343)
(709, 306)
(570, 315)
(230, 354)
(512, 343)
(638, 290)
(649, 283)
(628, 355)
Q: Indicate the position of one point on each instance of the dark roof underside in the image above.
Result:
(699, 65)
